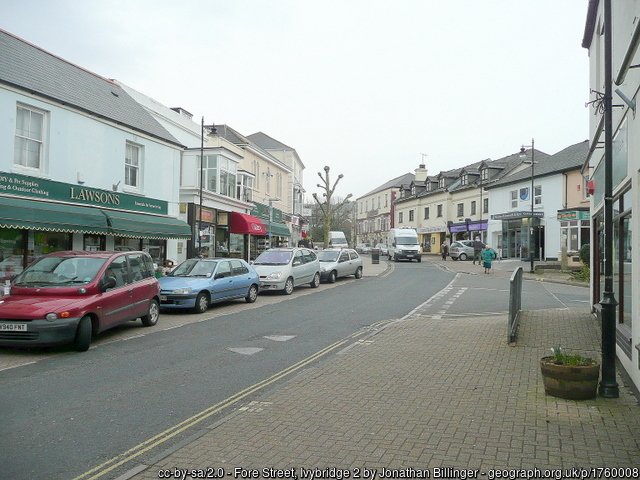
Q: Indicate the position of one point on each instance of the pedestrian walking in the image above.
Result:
(487, 257)
(477, 250)
(444, 250)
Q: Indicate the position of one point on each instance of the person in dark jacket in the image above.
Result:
(478, 246)
(444, 250)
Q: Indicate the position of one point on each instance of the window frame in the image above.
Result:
(21, 162)
(129, 166)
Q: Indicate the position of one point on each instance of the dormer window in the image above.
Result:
(465, 180)
(413, 190)
(484, 174)
(441, 183)
(428, 186)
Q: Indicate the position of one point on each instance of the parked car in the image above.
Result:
(363, 248)
(383, 248)
(286, 268)
(198, 282)
(68, 296)
(461, 249)
(339, 263)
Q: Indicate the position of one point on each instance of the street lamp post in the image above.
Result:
(532, 196)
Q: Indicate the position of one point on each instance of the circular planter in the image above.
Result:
(568, 381)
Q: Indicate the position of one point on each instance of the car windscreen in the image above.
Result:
(194, 268)
(60, 271)
(406, 241)
(328, 256)
(273, 258)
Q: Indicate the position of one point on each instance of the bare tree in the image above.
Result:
(328, 208)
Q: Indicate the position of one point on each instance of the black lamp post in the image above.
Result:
(532, 237)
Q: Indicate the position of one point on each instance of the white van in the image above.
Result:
(337, 240)
(404, 244)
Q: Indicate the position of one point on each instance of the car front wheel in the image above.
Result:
(153, 314)
(358, 274)
(83, 335)
(252, 294)
(202, 303)
(332, 277)
(288, 286)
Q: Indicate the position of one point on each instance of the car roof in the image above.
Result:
(97, 254)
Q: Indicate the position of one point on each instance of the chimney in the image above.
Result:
(421, 173)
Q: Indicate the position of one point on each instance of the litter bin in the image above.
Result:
(375, 255)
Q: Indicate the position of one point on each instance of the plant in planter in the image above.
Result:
(569, 376)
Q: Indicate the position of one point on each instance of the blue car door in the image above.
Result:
(222, 283)
(241, 278)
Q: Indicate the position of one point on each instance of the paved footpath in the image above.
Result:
(429, 397)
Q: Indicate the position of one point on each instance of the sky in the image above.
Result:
(370, 88)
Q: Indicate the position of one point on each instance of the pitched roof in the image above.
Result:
(27, 67)
(397, 182)
(570, 158)
(267, 142)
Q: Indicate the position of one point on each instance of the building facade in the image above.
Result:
(625, 169)
(84, 166)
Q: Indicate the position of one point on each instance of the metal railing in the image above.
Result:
(515, 303)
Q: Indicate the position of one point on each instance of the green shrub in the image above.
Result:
(585, 254)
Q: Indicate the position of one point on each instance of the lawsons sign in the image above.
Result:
(32, 187)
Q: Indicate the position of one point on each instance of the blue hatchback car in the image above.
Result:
(198, 282)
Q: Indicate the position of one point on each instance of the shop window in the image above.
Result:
(622, 267)
(124, 244)
(49, 242)
(94, 243)
(12, 245)
(29, 139)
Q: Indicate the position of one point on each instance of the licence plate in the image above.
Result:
(13, 327)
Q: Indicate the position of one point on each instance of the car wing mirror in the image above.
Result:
(106, 283)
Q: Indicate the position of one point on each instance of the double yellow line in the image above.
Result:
(159, 439)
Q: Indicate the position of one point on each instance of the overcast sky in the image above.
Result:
(370, 88)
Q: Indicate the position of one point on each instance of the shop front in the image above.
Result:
(468, 230)
(431, 238)
(277, 232)
(42, 216)
(521, 234)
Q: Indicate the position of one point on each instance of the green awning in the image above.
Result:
(276, 228)
(139, 225)
(58, 217)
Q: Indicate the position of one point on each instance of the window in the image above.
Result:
(537, 195)
(484, 174)
(28, 147)
(465, 180)
(441, 183)
(461, 209)
(400, 220)
(473, 207)
(132, 166)
(411, 215)
(245, 187)
(386, 199)
(485, 206)
(210, 173)
(514, 199)
(228, 171)
(426, 213)
(439, 210)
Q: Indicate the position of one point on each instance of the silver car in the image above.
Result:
(461, 249)
(339, 263)
(383, 248)
(286, 268)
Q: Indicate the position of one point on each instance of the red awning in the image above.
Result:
(243, 223)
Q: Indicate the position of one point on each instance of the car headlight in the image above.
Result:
(274, 276)
(51, 317)
(181, 291)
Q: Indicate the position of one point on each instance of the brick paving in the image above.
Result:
(428, 393)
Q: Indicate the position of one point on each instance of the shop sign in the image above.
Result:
(504, 216)
(436, 229)
(33, 187)
(575, 215)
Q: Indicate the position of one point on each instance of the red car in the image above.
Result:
(67, 297)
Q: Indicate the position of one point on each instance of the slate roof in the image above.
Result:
(397, 182)
(570, 158)
(267, 142)
(27, 67)
(237, 138)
